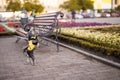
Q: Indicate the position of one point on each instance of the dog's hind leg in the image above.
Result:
(32, 59)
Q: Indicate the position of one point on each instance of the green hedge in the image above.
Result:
(90, 46)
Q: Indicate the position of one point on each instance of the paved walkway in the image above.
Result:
(65, 65)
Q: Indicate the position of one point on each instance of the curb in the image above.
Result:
(106, 61)
(10, 29)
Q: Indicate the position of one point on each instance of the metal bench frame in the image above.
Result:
(43, 26)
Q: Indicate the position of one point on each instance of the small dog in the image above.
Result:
(32, 43)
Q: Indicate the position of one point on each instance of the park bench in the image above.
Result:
(43, 25)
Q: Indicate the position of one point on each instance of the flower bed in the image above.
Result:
(13, 24)
(4, 31)
(106, 39)
(66, 24)
(1, 29)
(81, 24)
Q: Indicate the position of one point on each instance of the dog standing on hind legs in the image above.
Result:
(29, 50)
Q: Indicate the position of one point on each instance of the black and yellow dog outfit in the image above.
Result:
(32, 43)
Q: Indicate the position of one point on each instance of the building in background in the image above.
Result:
(102, 4)
(103, 8)
(115, 3)
(3, 4)
(106, 4)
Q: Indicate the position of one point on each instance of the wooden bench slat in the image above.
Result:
(42, 21)
(47, 15)
(52, 18)
(44, 24)
(21, 32)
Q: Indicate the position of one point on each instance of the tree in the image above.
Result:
(77, 5)
(13, 6)
(30, 6)
(117, 8)
(35, 1)
(38, 8)
(85, 4)
(32, 1)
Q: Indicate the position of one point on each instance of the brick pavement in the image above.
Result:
(50, 65)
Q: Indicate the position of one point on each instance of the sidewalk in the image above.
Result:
(51, 65)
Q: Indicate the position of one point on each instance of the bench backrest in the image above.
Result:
(45, 23)
(49, 19)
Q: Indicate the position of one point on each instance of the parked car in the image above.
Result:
(105, 15)
(115, 14)
(3, 19)
(78, 16)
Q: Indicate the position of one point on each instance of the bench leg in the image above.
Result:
(57, 44)
(43, 42)
(18, 39)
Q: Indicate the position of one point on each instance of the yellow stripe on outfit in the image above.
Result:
(31, 46)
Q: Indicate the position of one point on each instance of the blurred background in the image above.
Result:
(11, 10)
